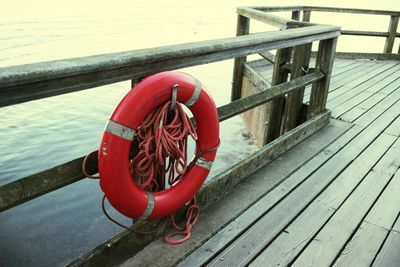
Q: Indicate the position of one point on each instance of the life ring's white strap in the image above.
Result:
(150, 206)
(196, 94)
(120, 130)
(205, 163)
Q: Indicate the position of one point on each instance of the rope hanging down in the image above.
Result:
(164, 135)
(160, 149)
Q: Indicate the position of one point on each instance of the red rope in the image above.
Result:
(164, 135)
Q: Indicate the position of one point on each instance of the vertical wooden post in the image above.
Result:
(394, 21)
(277, 105)
(296, 15)
(320, 89)
(294, 104)
(243, 25)
(306, 15)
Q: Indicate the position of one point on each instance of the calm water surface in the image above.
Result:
(62, 225)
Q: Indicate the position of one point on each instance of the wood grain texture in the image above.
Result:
(242, 28)
(365, 243)
(277, 105)
(319, 91)
(293, 108)
(297, 235)
(34, 81)
(389, 256)
(258, 183)
(392, 31)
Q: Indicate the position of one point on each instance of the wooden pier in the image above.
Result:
(324, 188)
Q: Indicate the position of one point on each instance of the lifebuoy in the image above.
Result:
(116, 180)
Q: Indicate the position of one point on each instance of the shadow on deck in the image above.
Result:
(332, 199)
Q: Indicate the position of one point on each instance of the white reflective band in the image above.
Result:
(120, 130)
(150, 206)
(196, 94)
(205, 163)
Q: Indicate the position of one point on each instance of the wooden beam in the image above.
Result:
(243, 26)
(392, 31)
(352, 10)
(34, 81)
(294, 104)
(268, 56)
(270, 19)
(296, 15)
(365, 33)
(319, 91)
(279, 76)
(35, 185)
(306, 15)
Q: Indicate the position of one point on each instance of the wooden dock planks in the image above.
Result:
(337, 206)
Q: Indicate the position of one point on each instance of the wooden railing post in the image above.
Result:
(243, 25)
(277, 105)
(306, 15)
(319, 91)
(394, 21)
(300, 66)
(296, 15)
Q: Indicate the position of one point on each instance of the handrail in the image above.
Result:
(32, 186)
(34, 81)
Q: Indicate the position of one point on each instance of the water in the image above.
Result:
(64, 224)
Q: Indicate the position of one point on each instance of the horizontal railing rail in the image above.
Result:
(263, 14)
(19, 84)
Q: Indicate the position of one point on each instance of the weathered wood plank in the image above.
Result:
(363, 247)
(359, 94)
(289, 243)
(267, 94)
(352, 10)
(293, 108)
(319, 91)
(306, 15)
(215, 217)
(389, 93)
(251, 243)
(377, 56)
(392, 31)
(268, 56)
(389, 256)
(243, 27)
(126, 245)
(365, 243)
(360, 84)
(34, 81)
(30, 187)
(277, 105)
(276, 21)
(33, 186)
(394, 128)
(245, 220)
(364, 33)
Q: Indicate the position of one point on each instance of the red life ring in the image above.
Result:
(116, 180)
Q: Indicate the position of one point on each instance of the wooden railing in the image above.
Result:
(263, 14)
(24, 83)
